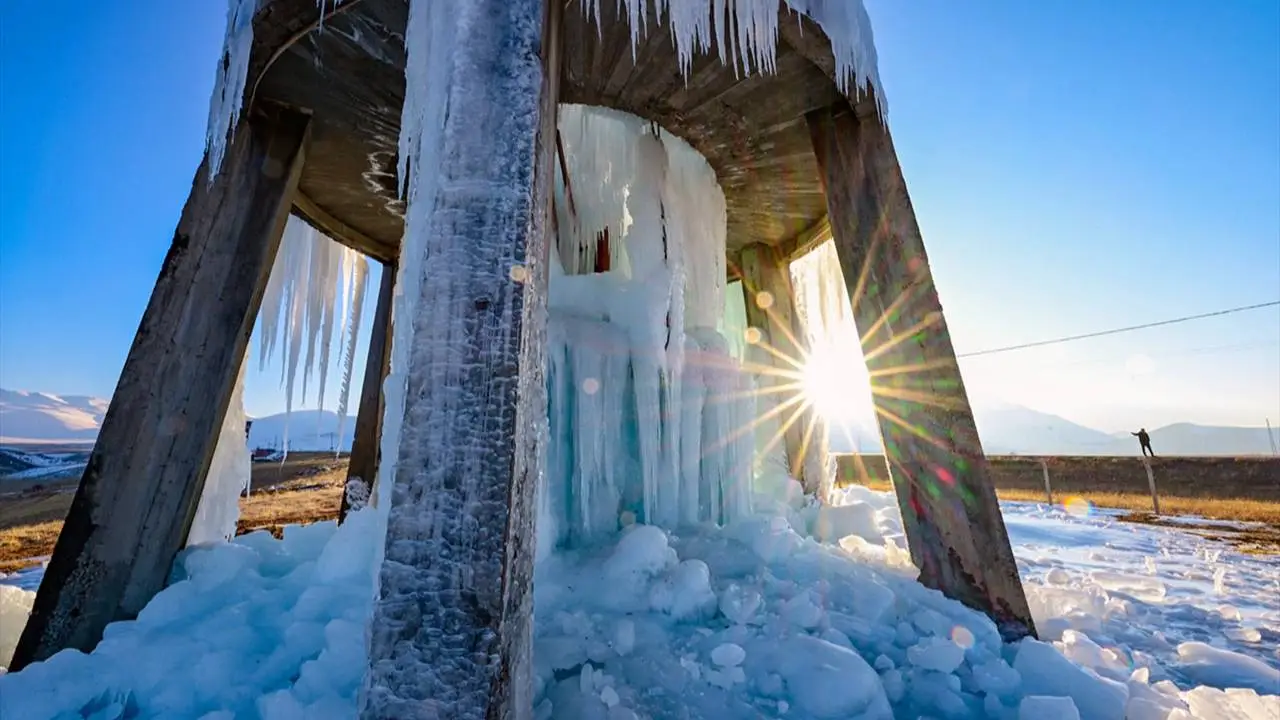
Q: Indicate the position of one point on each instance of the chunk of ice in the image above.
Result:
(1042, 707)
(828, 681)
(728, 655)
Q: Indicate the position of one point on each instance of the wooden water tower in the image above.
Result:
(799, 161)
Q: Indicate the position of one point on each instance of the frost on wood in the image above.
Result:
(228, 477)
(744, 33)
(229, 82)
(313, 299)
(649, 412)
(451, 632)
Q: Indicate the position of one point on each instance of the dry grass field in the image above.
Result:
(309, 487)
(306, 488)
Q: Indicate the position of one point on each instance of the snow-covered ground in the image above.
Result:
(20, 465)
(795, 612)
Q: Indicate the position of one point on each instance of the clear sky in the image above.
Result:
(1075, 166)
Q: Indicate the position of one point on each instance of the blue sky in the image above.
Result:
(1075, 166)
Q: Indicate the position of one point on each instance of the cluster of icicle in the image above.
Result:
(313, 304)
(229, 82)
(745, 33)
(648, 411)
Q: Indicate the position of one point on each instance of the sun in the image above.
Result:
(829, 385)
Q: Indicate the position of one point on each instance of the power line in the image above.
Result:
(1115, 331)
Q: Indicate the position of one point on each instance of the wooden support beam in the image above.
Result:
(770, 301)
(808, 240)
(953, 523)
(452, 628)
(362, 469)
(143, 481)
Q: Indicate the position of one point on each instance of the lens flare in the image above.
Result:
(1078, 506)
(960, 635)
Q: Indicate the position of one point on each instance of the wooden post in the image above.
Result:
(949, 508)
(770, 302)
(1151, 483)
(362, 468)
(452, 628)
(143, 480)
(1048, 489)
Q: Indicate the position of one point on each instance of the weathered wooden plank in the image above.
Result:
(807, 241)
(342, 233)
(770, 301)
(452, 630)
(362, 468)
(143, 481)
(953, 523)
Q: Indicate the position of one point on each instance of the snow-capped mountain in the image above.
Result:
(34, 418)
(41, 417)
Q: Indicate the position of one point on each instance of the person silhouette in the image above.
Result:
(1145, 440)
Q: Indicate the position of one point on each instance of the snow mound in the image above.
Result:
(755, 620)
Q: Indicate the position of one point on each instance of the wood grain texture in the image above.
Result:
(750, 128)
(952, 519)
(139, 492)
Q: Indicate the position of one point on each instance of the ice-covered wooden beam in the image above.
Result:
(452, 627)
(365, 445)
(952, 519)
(140, 489)
(770, 303)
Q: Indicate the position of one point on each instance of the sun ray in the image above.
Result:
(757, 422)
(926, 322)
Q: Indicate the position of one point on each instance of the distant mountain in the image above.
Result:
(308, 431)
(38, 417)
(1188, 439)
(1016, 430)
(34, 419)
(1013, 429)
(28, 418)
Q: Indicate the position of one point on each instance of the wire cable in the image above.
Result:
(1116, 331)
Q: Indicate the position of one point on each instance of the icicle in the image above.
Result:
(228, 477)
(746, 34)
(683, 463)
(229, 82)
(359, 283)
(313, 283)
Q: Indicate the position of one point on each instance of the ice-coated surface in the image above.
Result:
(272, 629)
(228, 477)
(229, 81)
(646, 408)
(451, 625)
(15, 606)
(255, 628)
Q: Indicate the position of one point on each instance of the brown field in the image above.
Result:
(306, 488)
(309, 487)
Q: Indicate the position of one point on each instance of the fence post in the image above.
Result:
(1151, 482)
(1048, 489)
